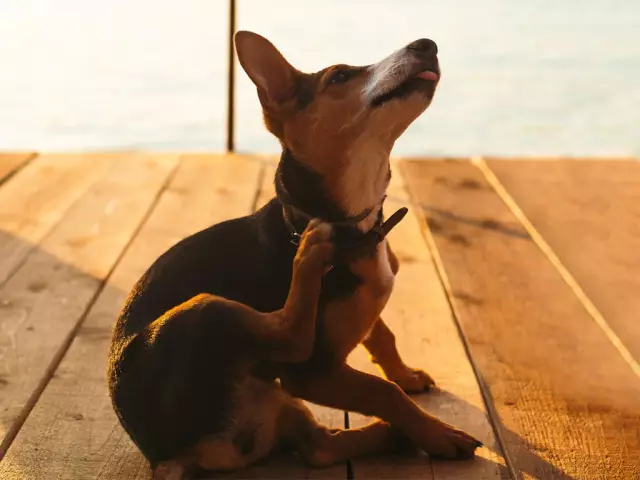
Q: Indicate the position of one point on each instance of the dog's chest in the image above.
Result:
(347, 321)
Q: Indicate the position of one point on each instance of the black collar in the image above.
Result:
(303, 196)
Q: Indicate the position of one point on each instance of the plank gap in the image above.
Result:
(487, 398)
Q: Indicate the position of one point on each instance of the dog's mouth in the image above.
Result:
(424, 81)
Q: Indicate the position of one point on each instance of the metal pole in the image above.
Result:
(231, 79)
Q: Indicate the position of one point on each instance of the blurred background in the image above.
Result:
(552, 78)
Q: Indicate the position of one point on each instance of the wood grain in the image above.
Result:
(73, 432)
(33, 200)
(426, 335)
(588, 211)
(567, 401)
(43, 302)
(10, 163)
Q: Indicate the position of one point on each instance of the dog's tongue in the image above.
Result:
(428, 75)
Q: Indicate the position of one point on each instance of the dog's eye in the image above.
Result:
(338, 76)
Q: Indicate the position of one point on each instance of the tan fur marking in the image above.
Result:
(258, 407)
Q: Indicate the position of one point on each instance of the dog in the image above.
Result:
(231, 328)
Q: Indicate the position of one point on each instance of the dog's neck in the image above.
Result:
(364, 179)
(304, 196)
(306, 192)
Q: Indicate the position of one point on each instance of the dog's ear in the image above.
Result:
(267, 68)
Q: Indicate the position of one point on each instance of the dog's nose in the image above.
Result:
(424, 45)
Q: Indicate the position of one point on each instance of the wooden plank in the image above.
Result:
(10, 163)
(590, 217)
(34, 199)
(568, 403)
(43, 302)
(284, 466)
(426, 335)
(73, 431)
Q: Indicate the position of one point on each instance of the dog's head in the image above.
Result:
(343, 120)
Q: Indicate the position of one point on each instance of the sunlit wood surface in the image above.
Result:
(517, 291)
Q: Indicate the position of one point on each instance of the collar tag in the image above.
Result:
(295, 238)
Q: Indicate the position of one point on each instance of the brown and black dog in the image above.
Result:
(230, 328)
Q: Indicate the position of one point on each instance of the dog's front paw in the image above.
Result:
(455, 445)
(443, 441)
(414, 380)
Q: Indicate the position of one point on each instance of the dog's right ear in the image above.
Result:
(272, 74)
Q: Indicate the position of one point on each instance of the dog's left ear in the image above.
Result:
(267, 68)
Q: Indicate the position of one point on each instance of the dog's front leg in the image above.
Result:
(381, 344)
(348, 389)
(296, 320)
(288, 334)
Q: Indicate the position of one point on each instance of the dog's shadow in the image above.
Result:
(520, 456)
(490, 462)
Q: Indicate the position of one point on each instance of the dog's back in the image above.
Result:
(216, 260)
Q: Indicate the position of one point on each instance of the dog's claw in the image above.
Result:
(443, 441)
(464, 445)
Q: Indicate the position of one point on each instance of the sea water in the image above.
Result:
(520, 78)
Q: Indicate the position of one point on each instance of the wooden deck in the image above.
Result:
(518, 292)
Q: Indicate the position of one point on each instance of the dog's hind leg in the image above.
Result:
(252, 435)
(288, 334)
(192, 359)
